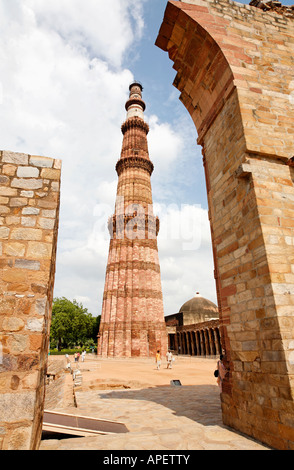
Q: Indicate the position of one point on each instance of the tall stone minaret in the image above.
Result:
(132, 320)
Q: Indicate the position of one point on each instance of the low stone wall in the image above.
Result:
(29, 209)
(60, 386)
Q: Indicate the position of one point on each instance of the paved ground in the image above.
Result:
(158, 416)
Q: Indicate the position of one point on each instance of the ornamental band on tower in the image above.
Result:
(132, 320)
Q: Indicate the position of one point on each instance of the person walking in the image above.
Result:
(221, 371)
(158, 359)
(169, 358)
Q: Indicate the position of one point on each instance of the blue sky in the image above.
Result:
(65, 68)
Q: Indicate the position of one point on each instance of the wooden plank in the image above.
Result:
(80, 425)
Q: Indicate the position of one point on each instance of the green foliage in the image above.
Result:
(72, 325)
(70, 352)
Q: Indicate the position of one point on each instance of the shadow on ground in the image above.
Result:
(201, 403)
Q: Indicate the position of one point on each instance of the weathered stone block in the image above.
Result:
(46, 223)
(4, 232)
(14, 249)
(28, 221)
(27, 264)
(9, 170)
(12, 324)
(18, 202)
(39, 250)
(4, 180)
(27, 172)
(16, 158)
(51, 174)
(17, 343)
(30, 183)
(35, 324)
(14, 405)
(30, 211)
(26, 234)
(42, 162)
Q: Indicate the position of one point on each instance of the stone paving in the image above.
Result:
(159, 416)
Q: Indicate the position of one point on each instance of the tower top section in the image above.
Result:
(135, 106)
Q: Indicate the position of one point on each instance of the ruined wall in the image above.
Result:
(235, 71)
(29, 208)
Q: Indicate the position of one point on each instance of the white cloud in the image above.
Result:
(63, 87)
(185, 254)
(165, 145)
(103, 29)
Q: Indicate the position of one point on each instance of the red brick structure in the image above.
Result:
(132, 320)
(235, 72)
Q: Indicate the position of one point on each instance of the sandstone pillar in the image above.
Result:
(132, 320)
(29, 206)
(235, 72)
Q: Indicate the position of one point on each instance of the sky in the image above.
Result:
(65, 70)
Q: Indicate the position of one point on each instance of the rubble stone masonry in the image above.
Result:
(235, 72)
(29, 207)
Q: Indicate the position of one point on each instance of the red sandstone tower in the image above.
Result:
(132, 320)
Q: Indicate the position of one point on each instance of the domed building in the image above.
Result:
(194, 330)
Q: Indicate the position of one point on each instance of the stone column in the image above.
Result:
(176, 343)
(202, 342)
(198, 350)
(29, 208)
(211, 342)
(188, 340)
(192, 334)
(206, 342)
(216, 341)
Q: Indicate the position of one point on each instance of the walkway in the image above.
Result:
(159, 416)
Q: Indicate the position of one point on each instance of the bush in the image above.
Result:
(55, 352)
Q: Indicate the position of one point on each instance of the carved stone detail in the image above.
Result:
(134, 122)
(134, 162)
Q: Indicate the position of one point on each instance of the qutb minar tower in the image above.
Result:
(132, 320)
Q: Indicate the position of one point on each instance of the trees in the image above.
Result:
(72, 325)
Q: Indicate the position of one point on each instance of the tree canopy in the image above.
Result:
(72, 325)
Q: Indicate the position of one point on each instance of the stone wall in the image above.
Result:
(29, 208)
(235, 71)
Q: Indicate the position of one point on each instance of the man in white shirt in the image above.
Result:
(169, 358)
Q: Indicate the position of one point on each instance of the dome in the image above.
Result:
(200, 308)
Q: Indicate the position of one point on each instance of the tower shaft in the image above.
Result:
(132, 319)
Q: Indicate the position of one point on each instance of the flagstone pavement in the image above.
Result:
(158, 415)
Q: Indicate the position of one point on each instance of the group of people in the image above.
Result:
(220, 367)
(169, 359)
(77, 356)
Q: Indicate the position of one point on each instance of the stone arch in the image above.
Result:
(205, 84)
(235, 67)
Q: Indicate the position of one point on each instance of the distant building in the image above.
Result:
(194, 330)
